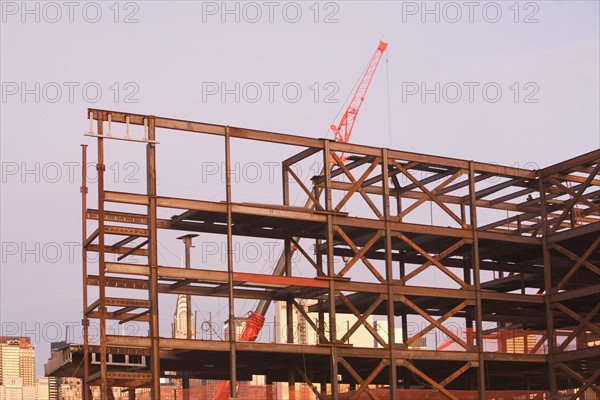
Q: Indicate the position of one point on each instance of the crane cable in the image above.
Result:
(389, 101)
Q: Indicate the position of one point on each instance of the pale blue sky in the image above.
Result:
(175, 49)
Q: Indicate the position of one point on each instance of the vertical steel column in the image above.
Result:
(153, 259)
(404, 315)
(477, 281)
(548, 289)
(285, 184)
(319, 260)
(402, 268)
(320, 309)
(101, 262)
(291, 384)
(232, 330)
(289, 311)
(330, 270)
(389, 274)
(188, 298)
(85, 320)
(187, 242)
(467, 278)
(468, 314)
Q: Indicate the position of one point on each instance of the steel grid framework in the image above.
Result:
(532, 272)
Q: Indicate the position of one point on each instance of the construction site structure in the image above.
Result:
(515, 292)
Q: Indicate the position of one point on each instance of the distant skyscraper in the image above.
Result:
(180, 319)
(12, 388)
(17, 368)
(29, 392)
(53, 387)
(43, 389)
(17, 360)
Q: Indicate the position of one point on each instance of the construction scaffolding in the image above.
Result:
(516, 257)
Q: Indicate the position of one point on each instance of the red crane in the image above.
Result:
(342, 133)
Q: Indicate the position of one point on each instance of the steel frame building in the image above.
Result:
(532, 273)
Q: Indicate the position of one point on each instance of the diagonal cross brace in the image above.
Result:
(357, 377)
(578, 262)
(365, 384)
(582, 323)
(440, 320)
(433, 192)
(431, 195)
(587, 383)
(431, 259)
(353, 180)
(573, 193)
(435, 385)
(357, 185)
(360, 319)
(438, 257)
(575, 199)
(355, 311)
(360, 254)
(450, 378)
(432, 321)
(311, 196)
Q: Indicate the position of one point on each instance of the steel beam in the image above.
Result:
(153, 259)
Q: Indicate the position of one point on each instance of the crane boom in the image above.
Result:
(342, 133)
(343, 130)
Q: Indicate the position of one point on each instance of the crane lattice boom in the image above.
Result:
(343, 131)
